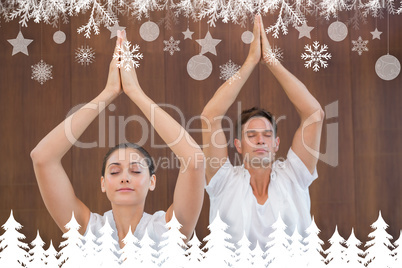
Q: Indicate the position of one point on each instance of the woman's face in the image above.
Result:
(127, 179)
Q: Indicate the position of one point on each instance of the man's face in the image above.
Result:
(258, 144)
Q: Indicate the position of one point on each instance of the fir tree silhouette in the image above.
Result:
(379, 248)
(172, 252)
(258, 257)
(313, 253)
(51, 260)
(129, 252)
(243, 252)
(71, 254)
(277, 248)
(296, 250)
(336, 252)
(397, 252)
(354, 254)
(147, 255)
(107, 247)
(13, 252)
(37, 252)
(195, 255)
(219, 252)
(91, 250)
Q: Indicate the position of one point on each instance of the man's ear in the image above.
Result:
(277, 141)
(152, 182)
(102, 180)
(237, 144)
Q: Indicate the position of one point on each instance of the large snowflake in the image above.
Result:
(171, 45)
(229, 71)
(359, 45)
(272, 56)
(315, 56)
(128, 56)
(84, 55)
(41, 72)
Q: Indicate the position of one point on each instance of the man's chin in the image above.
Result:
(260, 162)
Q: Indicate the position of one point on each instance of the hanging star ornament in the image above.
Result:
(188, 34)
(113, 29)
(304, 30)
(376, 34)
(20, 44)
(208, 44)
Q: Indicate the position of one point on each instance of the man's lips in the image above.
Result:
(125, 190)
(261, 150)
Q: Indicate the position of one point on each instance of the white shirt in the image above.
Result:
(231, 194)
(155, 225)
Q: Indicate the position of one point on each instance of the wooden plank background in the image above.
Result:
(350, 195)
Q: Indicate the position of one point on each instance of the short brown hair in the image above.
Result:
(254, 112)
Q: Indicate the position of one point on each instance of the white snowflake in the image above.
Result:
(85, 56)
(171, 45)
(272, 56)
(230, 71)
(128, 58)
(359, 45)
(41, 72)
(315, 56)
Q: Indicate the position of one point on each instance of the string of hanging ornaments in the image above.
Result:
(105, 12)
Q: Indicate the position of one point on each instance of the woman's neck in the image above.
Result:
(124, 217)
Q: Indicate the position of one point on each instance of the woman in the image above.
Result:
(127, 173)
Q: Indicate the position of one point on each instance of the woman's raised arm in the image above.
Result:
(189, 192)
(54, 185)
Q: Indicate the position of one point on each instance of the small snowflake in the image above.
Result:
(128, 58)
(315, 56)
(41, 72)
(359, 45)
(171, 45)
(273, 56)
(85, 56)
(229, 71)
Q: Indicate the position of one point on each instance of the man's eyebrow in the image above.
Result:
(254, 130)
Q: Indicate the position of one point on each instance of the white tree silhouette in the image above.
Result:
(243, 252)
(71, 254)
(313, 253)
(258, 257)
(379, 251)
(37, 252)
(353, 254)
(336, 251)
(195, 255)
(107, 248)
(296, 250)
(172, 253)
(129, 251)
(277, 248)
(147, 254)
(397, 252)
(90, 250)
(219, 250)
(13, 252)
(51, 257)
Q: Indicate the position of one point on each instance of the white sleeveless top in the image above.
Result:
(155, 225)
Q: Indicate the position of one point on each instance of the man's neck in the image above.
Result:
(259, 181)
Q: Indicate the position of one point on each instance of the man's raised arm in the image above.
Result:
(213, 137)
(306, 141)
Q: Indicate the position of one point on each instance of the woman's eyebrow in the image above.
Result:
(116, 163)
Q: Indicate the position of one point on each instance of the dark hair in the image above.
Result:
(254, 112)
(145, 154)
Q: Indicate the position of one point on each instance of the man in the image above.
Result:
(250, 197)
